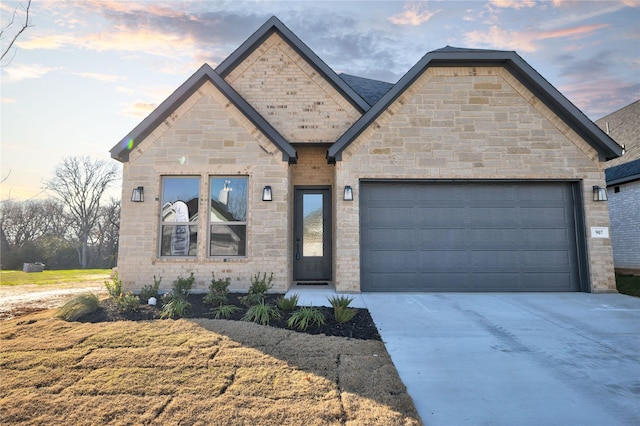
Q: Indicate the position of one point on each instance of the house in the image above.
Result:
(471, 173)
(623, 187)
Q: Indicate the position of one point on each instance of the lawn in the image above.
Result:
(628, 284)
(193, 371)
(11, 278)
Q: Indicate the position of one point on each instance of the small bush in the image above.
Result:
(261, 313)
(343, 314)
(78, 307)
(114, 288)
(149, 291)
(127, 302)
(182, 287)
(259, 287)
(340, 301)
(306, 316)
(224, 311)
(218, 290)
(288, 304)
(175, 308)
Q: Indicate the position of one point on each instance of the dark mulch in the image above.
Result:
(360, 327)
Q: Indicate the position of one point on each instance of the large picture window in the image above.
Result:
(228, 216)
(179, 220)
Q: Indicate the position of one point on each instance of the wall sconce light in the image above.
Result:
(266, 194)
(137, 196)
(599, 194)
(348, 193)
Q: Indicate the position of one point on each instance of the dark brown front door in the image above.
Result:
(312, 233)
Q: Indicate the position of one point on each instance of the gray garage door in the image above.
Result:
(482, 236)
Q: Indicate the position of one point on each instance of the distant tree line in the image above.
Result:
(73, 230)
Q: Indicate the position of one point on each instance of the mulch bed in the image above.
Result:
(360, 327)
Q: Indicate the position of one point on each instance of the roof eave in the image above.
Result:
(121, 151)
(275, 25)
(606, 147)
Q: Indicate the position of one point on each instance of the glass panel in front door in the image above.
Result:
(312, 225)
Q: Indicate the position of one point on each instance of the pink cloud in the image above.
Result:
(412, 15)
(139, 109)
(574, 32)
(513, 4)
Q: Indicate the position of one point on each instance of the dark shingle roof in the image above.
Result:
(370, 90)
(624, 173)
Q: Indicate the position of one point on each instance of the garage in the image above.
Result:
(469, 236)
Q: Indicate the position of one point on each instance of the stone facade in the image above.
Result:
(468, 123)
(452, 123)
(205, 137)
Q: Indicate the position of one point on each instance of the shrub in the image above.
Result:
(79, 306)
(306, 316)
(343, 314)
(259, 287)
(114, 288)
(218, 290)
(224, 311)
(149, 291)
(176, 307)
(261, 313)
(127, 302)
(288, 304)
(182, 287)
(340, 301)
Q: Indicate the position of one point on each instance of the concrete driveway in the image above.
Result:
(515, 359)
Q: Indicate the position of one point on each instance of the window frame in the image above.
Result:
(191, 225)
(211, 224)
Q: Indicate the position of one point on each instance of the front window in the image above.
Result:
(179, 220)
(228, 216)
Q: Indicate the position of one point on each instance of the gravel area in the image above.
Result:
(23, 299)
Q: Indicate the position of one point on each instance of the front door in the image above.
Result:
(312, 233)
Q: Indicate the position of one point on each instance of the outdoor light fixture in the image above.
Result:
(599, 194)
(348, 194)
(266, 194)
(137, 196)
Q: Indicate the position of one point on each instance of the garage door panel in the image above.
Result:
(468, 236)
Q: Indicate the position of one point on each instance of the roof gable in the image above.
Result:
(121, 151)
(623, 126)
(522, 71)
(275, 25)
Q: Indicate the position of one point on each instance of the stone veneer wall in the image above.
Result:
(468, 123)
(291, 95)
(206, 136)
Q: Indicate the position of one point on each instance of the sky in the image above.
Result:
(87, 72)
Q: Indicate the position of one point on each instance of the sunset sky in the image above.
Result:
(87, 72)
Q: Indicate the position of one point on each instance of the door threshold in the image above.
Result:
(312, 283)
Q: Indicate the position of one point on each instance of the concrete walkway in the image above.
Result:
(511, 358)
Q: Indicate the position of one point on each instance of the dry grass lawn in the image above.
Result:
(196, 372)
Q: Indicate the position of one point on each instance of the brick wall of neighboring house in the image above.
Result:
(291, 95)
(624, 208)
(468, 123)
(205, 136)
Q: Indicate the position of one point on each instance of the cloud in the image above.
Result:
(412, 15)
(7, 100)
(574, 32)
(526, 41)
(499, 38)
(48, 42)
(138, 109)
(19, 72)
(513, 4)
(105, 78)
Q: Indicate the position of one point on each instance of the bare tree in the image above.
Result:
(9, 27)
(80, 184)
